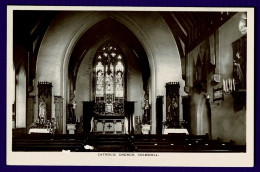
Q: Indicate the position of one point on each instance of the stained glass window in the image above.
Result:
(110, 76)
(109, 79)
(100, 80)
(119, 79)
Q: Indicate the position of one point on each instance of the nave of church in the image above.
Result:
(129, 81)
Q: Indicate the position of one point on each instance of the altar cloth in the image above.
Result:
(175, 130)
(39, 130)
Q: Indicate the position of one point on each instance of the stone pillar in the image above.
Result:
(58, 101)
(30, 112)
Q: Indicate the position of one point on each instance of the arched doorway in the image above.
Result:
(201, 119)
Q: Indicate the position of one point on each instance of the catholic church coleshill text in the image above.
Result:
(129, 81)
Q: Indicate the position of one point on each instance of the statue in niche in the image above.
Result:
(42, 109)
(172, 104)
(72, 106)
(238, 74)
(239, 63)
(92, 124)
(45, 99)
(146, 115)
(172, 110)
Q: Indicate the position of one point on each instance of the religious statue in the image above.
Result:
(172, 104)
(92, 125)
(42, 109)
(72, 106)
(146, 115)
(146, 104)
(172, 108)
(126, 126)
(238, 73)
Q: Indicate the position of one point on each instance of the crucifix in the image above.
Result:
(109, 126)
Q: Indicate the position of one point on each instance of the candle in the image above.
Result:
(227, 81)
(234, 84)
(230, 84)
(224, 85)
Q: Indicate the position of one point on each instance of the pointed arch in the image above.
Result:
(134, 28)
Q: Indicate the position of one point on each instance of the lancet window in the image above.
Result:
(109, 82)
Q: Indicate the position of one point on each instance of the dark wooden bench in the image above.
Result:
(47, 142)
(123, 143)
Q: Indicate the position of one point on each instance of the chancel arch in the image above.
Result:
(159, 47)
(129, 61)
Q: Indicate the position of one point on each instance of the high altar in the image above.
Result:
(117, 121)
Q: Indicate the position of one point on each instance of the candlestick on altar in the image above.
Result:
(234, 84)
(230, 84)
(224, 85)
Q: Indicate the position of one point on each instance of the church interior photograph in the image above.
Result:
(129, 81)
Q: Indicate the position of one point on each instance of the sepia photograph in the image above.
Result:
(105, 85)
